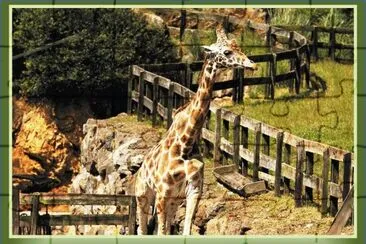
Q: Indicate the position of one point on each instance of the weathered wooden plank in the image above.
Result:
(65, 220)
(343, 214)
(77, 199)
(249, 81)
(324, 196)
(259, 58)
(309, 170)
(278, 168)
(148, 103)
(257, 143)
(270, 130)
(346, 175)
(226, 146)
(285, 76)
(299, 175)
(15, 210)
(140, 106)
(170, 105)
(248, 122)
(217, 153)
(236, 139)
(228, 115)
(244, 144)
(34, 214)
(155, 101)
(286, 55)
(132, 216)
(208, 135)
(334, 177)
(266, 177)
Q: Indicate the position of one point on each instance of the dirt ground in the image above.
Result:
(263, 214)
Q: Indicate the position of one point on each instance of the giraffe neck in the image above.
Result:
(198, 108)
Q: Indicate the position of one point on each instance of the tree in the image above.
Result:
(107, 42)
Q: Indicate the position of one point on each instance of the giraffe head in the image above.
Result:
(226, 53)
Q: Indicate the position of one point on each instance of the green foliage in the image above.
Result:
(335, 17)
(107, 42)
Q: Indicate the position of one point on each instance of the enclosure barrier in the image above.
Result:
(37, 224)
(278, 33)
(155, 97)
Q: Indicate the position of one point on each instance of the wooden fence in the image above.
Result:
(155, 97)
(332, 45)
(278, 32)
(37, 224)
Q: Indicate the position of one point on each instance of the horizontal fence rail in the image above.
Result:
(37, 224)
(291, 169)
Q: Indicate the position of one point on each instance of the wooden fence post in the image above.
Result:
(307, 66)
(273, 75)
(225, 134)
(34, 214)
(298, 72)
(324, 198)
(241, 85)
(291, 40)
(332, 41)
(334, 177)
(236, 140)
(300, 147)
(132, 216)
(278, 170)
(217, 153)
(287, 160)
(292, 65)
(129, 91)
(189, 76)
(155, 100)
(315, 43)
(140, 107)
(268, 36)
(15, 211)
(266, 148)
(346, 174)
(309, 170)
(234, 77)
(257, 151)
(170, 104)
(244, 142)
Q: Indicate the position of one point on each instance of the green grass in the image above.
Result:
(312, 115)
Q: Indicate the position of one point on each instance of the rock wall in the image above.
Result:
(111, 151)
(46, 139)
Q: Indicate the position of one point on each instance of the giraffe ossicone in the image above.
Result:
(169, 174)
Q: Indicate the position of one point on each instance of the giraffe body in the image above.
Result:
(169, 175)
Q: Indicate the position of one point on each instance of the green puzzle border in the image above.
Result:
(5, 135)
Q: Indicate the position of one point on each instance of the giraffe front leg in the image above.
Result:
(144, 199)
(161, 210)
(193, 192)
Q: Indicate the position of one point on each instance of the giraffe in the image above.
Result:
(169, 175)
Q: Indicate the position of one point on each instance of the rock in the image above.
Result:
(40, 148)
(111, 152)
(226, 225)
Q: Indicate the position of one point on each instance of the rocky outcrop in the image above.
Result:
(45, 144)
(111, 152)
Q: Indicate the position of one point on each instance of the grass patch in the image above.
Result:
(326, 117)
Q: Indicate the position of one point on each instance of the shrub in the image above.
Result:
(107, 41)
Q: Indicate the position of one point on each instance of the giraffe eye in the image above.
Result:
(227, 52)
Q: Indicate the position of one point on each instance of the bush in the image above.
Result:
(107, 42)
